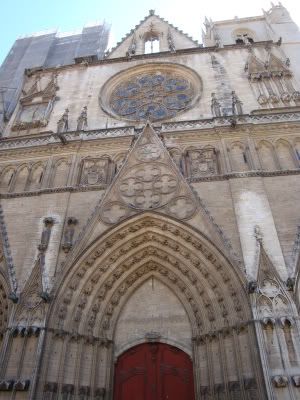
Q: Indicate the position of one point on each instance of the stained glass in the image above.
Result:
(152, 97)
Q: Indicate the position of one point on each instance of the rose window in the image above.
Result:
(152, 97)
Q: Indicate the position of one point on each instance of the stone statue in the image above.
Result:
(215, 106)
(237, 108)
(132, 48)
(63, 125)
(171, 42)
(82, 119)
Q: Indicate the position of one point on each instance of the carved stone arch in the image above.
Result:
(60, 172)
(7, 178)
(36, 176)
(116, 300)
(185, 261)
(115, 264)
(267, 156)
(285, 154)
(158, 274)
(21, 178)
(239, 157)
(175, 265)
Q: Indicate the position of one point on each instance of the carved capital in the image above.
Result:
(280, 381)
(296, 380)
(22, 385)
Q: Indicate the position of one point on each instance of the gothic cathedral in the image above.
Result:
(150, 213)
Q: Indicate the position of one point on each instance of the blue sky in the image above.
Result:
(20, 17)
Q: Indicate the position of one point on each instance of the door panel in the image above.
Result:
(154, 371)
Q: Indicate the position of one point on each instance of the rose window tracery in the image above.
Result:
(152, 96)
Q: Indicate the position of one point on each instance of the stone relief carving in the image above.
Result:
(148, 186)
(201, 162)
(95, 171)
(36, 104)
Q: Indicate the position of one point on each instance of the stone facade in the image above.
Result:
(154, 195)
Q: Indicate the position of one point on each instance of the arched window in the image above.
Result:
(151, 43)
(243, 36)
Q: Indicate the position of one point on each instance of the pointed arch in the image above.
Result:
(36, 176)
(239, 157)
(7, 177)
(61, 170)
(95, 287)
(267, 157)
(21, 179)
(285, 154)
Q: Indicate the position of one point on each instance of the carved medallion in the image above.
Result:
(148, 186)
(148, 152)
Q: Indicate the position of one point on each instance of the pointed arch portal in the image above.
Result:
(105, 301)
(154, 371)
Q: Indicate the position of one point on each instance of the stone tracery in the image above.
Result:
(152, 97)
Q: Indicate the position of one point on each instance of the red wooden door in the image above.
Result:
(154, 371)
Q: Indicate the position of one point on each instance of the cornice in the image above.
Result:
(248, 174)
(219, 125)
(65, 189)
(154, 56)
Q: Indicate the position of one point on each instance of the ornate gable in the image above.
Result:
(152, 29)
(149, 180)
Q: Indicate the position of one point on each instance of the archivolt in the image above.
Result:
(94, 290)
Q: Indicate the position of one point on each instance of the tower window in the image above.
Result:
(243, 37)
(152, 45)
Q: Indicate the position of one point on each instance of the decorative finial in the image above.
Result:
(151, 12)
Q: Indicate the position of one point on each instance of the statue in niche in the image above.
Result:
(171, 42)
(94, 171)
(36, 104)
(82, 119)
(69, 234)
(215, 106)
(202, 162)
(237, 108)
(63, 124)
(132, 48)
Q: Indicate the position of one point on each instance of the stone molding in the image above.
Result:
(48, 138)
(82, 188)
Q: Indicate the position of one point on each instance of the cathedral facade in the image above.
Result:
(149, 219)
